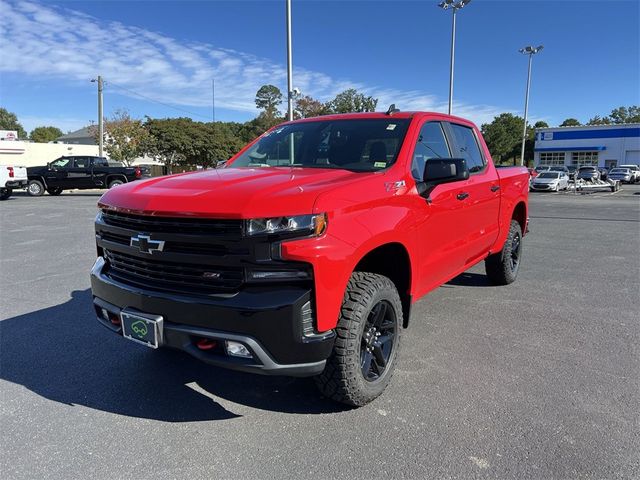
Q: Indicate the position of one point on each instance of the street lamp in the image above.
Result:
(455, 6)
(290, 92)
(531, 51)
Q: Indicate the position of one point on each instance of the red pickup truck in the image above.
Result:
(303, 255)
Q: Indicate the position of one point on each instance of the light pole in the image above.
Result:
(100, 116)
(531, 51)
(455, 6)
(289, 65)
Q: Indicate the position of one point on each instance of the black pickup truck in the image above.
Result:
(78, 172)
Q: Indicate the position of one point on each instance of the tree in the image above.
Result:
(268, 99)
(598, 120)
(307, 106)
(351, 101)
(540, 124)
(570, 122)
(504, 136)
(622, 115)
(125, 138)
(45, 134)
(9, 121)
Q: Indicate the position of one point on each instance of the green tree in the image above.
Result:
(45, 134)
(351, 101)
(268, 99)
(9, 121)
(598, 120)
(540, 124)
(504, 136)
(570, 122)
(622, 115)
(125, 138)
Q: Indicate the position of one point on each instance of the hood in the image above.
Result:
(229, 192)
(34, 170)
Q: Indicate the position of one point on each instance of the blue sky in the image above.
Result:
(397, 51)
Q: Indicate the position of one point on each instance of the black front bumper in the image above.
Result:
(267, 320)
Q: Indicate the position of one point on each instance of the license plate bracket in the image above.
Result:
(142, 328)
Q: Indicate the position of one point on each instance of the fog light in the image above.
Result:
(236, 349)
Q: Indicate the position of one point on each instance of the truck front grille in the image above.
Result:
(179, 278)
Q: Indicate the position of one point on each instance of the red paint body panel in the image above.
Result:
(442, 237)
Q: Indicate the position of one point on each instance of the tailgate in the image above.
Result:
(20, 173)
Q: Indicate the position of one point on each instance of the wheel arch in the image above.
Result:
(39, 178)
(520, 215)
(393, 261)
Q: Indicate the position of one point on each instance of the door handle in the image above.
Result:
(462, 195)
(495, 188)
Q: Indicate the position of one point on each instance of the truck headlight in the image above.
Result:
(302, 224)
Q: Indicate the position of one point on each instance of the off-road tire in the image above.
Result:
(343, 379)
(500, 266)
(5, 193)
(55, 191)
(35, 188)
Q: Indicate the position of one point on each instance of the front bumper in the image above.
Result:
(267, 320)
(543, 186)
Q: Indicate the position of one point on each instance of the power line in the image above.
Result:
(154, 100)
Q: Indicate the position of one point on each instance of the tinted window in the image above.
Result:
(62, 162)
(467, 147)
(358, 145)
(431, 143)
(82, 162)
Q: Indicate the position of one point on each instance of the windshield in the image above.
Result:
(619, 170)
(549, 175)
(360, 145)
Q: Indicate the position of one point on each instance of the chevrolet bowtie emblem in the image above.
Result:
(146, 245)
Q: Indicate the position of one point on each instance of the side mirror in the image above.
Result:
(442, 170)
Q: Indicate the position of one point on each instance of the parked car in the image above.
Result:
(623, 174)
(604, 173)
(551, 181)
(573, 171)
(542, 168)
(559, 168)
(635, 172)
(588, 173)
(78, 172)
(306, 262)
(11, 177)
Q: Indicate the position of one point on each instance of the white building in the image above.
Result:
(600, 145)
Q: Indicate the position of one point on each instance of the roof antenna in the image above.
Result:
(392, 109)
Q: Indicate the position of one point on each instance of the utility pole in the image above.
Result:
(531, 51)
(100, 116)
(213, 100)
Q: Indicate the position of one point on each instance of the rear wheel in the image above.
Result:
(115, 183)
(35, 188)
(368, 334)
(54, 191)
(5, 193)
(502, 267)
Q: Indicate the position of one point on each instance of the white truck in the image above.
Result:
(11, 177)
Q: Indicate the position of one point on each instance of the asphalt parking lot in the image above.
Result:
(537, 380)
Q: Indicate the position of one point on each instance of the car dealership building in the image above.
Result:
(600, 145)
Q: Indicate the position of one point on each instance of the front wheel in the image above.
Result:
(35, 188)
(502, 267)
(5, 193)
(368, 334)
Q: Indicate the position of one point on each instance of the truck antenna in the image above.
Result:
(392, 109)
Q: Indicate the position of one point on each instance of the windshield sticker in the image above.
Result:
(391, 126)
(380, 164)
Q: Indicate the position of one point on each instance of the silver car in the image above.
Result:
(550, 182)
(622, 174)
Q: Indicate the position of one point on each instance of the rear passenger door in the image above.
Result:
(479, 197)
(80, 173)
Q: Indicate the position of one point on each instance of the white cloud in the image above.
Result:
(52, 42)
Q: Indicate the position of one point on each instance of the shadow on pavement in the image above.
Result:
(62, 353)
(470, 280)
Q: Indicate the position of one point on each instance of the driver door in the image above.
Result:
(58, 173)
